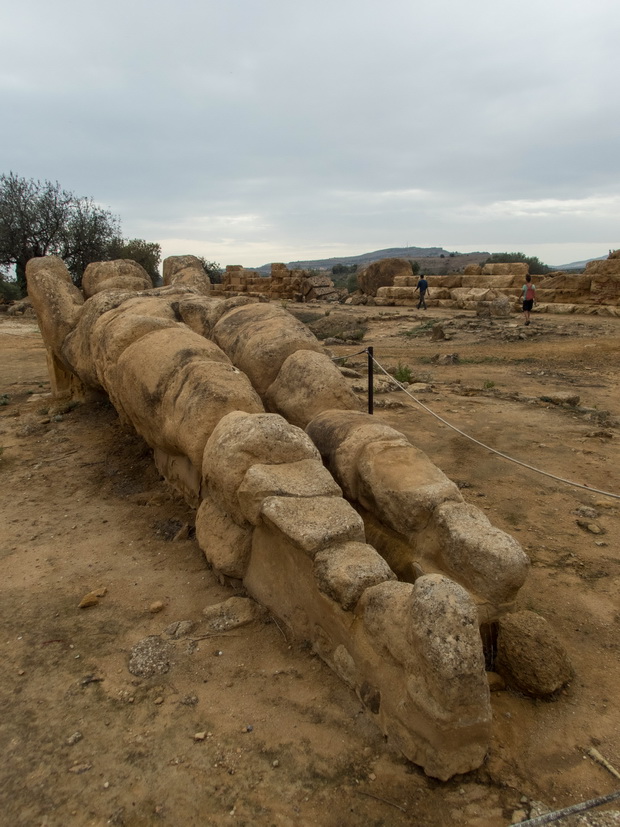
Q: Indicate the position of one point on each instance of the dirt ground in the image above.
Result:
(280, 739)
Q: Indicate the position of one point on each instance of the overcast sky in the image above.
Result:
(251, 131)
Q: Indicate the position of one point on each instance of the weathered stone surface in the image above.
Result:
(180, 473)
(482, 557)
(530, 657)
(344, 572)
(174, 387)
(258, 339)
(382, 274)
(340, 436)
(232, 613)
(225, 544)
(77, 348)
(443, 628)
(174, 264)
(240, 441)
(121, 274)
(305, 478)
(400, 484)
(314, 523)
(517, 268)
(307, 384)
(56, 300)
(187, 270)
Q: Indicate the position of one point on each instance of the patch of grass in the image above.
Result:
(403, 374)
(4, 399)
(489, 383)
(420, 329)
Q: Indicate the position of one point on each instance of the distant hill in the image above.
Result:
(432, 259)
(578, 265)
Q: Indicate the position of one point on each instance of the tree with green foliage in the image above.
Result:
(213, 269)
(38, 218)
(537, 268)
(415, 267)
(146, 253)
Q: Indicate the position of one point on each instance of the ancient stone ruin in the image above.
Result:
(283, 284)
(335, 522)
(495, 289)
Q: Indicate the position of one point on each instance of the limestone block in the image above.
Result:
(396, 292)
(399, 484)
(174, 386)
(56, 300)
(472, 270)
(517, 268)
(607, 267)
(308, 383)
(480, 556)
(311, 524)
(344, 572)
(305, 478)
(443, 629)
(259, 338)
(485, 281)
(340, 436)
(174, 264)
(112, 335)
(382, 274)
(194, 276)
(530, 656)
(453, 280)
(384, 609)
(225, 544)
(121, 274)
(78, 344)
(239, 441)
(472, 294)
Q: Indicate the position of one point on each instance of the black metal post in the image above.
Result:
(371, 380)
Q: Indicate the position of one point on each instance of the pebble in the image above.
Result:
(73, 739)
(158, 700)
(106, 785)
(200, 736)
(157, 606)
(275, 763)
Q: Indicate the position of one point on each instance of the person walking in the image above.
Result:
(528, 294)
(422, 286)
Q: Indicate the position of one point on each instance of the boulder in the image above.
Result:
(174, 264)
(382, 274)
(530, 656)
(121, 274)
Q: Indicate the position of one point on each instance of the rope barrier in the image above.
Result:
(488, 447)
(547, 818)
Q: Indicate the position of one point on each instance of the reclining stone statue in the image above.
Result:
(332, 520)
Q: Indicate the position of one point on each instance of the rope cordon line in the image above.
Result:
(488, 447)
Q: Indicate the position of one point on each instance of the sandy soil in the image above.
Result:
(282, 740)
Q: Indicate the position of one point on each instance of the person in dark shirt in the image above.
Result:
(422, 286)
